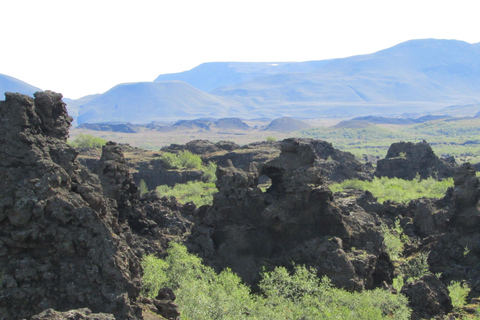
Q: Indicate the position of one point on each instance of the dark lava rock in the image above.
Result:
(295, 219)
(78, 314)
(201, 147)
(62, 243)
(428, 297)
(406, 159)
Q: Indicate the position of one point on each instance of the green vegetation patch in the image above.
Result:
(203, 294)
(198, 192)
(396, 189)
(87, 141)
(452, 137)
(182, 160)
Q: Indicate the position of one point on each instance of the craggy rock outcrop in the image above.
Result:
(406, 159)
(428, 297)
(201, 147)
(447, 230)
(152, 220)
(335, 165)
(62, 244)
(296, 219)
(78, 314)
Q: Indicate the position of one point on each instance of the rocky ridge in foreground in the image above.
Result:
(65, 242)
(71, 239)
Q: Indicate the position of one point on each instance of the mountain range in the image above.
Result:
(415, 77)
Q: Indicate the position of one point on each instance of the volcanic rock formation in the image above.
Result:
(296, 219)
(405, 160)
(63, 244)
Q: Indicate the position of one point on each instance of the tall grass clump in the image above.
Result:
(204, 294)
(396, 189)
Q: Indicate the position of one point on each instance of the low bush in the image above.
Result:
(198, 192)
(203, 294)
(396, 189)
(87, 141)
(458, 292)
(183, 160)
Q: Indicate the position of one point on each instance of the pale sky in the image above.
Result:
(86, 47)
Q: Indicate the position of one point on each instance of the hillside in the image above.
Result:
(418, 76)
(144, 102)
(414, 78)
(11, 84)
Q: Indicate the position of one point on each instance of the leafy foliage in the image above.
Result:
(209, 172)
(198, 192)
(203, 294)
(396, 189)
(458, 292)
(143, 187)
(271, 139)
(87, 141)
(183, 160)
(392, 240)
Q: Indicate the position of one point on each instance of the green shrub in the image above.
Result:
(143, 187)
(198, 192)
(87, 141)
(271, 139)
(458, 292)
(209, 172)
(396, 189)
(392, 240)
(203, 294)
(183, 160)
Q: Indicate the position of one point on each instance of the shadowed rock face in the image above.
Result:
(405, 160)
(428, 296)
(63, 244)
(296, 219)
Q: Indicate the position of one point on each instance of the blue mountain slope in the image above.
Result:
(418, 76)
(11, 84)
(144, 102)
(211, 75)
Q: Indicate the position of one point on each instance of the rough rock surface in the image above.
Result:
(406, 159)
(201, 147)
(296, 219)
(62, 244)
(78, 314)
(152, 220)
(428, 297)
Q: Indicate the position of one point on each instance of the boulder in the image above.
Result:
(428, 297)
(406, 160)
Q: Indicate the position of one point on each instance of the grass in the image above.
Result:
(198, 192)
(398, 190)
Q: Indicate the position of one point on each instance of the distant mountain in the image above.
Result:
(287, 125)
(11, 84)
(211, 75)
(145, 102)
(419, 75)
(415, 77)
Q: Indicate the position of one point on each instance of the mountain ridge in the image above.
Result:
(419, 76)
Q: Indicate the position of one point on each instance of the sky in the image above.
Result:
(85, 47)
